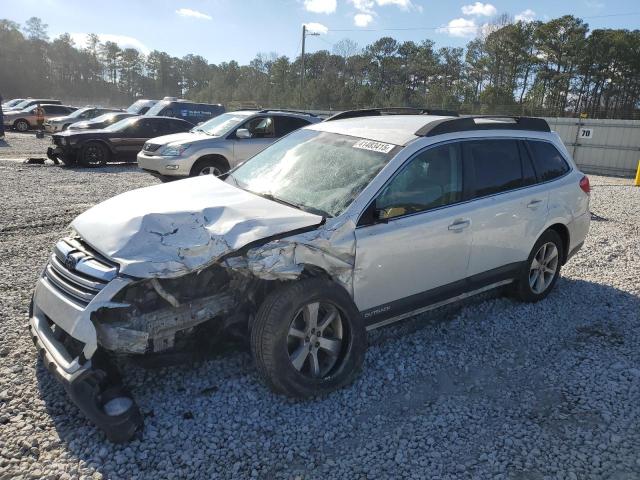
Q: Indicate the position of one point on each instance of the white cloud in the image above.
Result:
(316, 27)
(480, 9)
(526, 16)
(365, 6)
(187, 12)
(402, 4)
(362, 19)
(460, 27)
(123, 41)
(320, 6)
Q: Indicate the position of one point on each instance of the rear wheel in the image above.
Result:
(209, 166)
(21, 125)
(308, 338)
(542, 270)
(94, 154)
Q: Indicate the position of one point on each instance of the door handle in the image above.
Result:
(459, 225)
(534, 203)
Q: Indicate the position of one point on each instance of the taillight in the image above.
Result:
(584, 185)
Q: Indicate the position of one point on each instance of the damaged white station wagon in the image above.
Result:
(339, 227)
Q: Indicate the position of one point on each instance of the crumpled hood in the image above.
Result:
(171, 229)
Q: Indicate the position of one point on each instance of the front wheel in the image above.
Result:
(308, 338)
(206, 166)
(94, 154)
(542, 270)
(21, 125)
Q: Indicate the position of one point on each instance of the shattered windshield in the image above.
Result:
(319, 172)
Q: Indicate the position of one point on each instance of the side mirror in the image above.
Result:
(243, 133)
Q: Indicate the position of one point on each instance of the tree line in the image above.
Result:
(556, 68)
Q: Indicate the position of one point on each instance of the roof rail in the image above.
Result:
(496, 122)
(375, 112)
(284, 110)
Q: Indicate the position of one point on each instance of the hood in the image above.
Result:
(171, 229)
(180, 138)
(75, 133)
(58, 119)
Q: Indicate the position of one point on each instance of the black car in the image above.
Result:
(118, 142)
(102, 121)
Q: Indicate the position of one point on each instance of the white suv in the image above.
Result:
(220, 143)
(338, 228)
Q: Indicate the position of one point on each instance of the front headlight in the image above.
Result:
(173, 150)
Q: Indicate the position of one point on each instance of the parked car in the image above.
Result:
(11, 103)
(29, 102)
(118, 142)
(59, 124)
(220, 144)
(101, 121)
(186, 110)
(142, 106)
(338, 228)
(23, 120)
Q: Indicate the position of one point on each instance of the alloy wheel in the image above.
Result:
(210, 170)
(95, 154)
(315, 339)
(543, 268)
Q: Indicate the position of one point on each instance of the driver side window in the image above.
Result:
(260, 127)
(432, 179)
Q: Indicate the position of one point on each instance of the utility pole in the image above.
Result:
(304, 36)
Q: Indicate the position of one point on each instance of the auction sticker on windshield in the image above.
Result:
(373, 146)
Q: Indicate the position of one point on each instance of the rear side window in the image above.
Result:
(547, 160)
(285, 125)
(495, 165)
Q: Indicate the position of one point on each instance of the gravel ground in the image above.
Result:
(23, 145)
(494, 389)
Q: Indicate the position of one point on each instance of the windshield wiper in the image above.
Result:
(304, 208)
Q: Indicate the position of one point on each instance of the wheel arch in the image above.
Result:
(216, 157)
(562, 230)
(17, 120)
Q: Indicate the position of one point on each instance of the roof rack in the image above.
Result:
(284, 110)
(375, 112)
(496, 122)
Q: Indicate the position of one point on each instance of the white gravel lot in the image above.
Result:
(23, 145)
(492, 390)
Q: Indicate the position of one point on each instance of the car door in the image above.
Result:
(509, 208)
(132, 139)
(262, 130)
(415, 250)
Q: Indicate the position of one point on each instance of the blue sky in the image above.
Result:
(223, 30)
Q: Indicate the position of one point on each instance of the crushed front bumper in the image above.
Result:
(94, 385)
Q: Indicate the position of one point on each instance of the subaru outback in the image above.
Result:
(338, 228)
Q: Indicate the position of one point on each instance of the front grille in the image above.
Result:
(150, 147)
(77, 271)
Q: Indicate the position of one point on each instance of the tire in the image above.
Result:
(209, 166)
(21, 125)
(296, 362)
(542, 269)
(94, 154)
